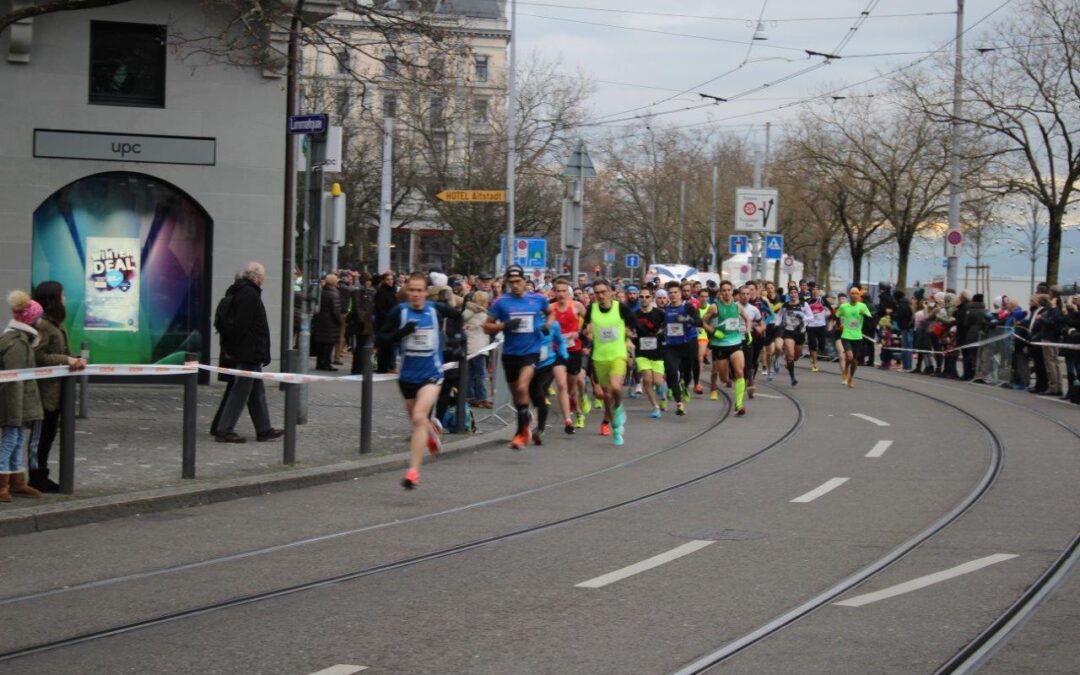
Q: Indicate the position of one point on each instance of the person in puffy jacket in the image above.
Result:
(20, 402)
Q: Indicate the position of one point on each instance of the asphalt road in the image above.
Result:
(639, 559)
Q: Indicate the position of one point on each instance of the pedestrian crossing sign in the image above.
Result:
(774, 246)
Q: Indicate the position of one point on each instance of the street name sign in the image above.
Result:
(308, 124)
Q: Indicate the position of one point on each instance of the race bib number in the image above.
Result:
(732, 325)
(854, 324)
(648, 344)
(544, 351)
(422, 340)
(675, 329)
(608, 334)
(527, 323)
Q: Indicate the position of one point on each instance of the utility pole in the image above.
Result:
(387, 197)
(713, 234)
(952, 263)
(682, 219)
(312, 247)
(511, 138)
(758, 255)
(288, 230)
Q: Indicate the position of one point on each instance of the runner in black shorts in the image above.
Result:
(793, 319)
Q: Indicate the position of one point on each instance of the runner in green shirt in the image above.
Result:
(851, 316)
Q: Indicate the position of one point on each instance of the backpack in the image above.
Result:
(449, 420)
(225, 317)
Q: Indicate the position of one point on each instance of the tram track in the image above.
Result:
(970, 657)
(401, 563)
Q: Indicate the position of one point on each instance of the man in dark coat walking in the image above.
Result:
(247, 344)
(385, 301)
(326, 326)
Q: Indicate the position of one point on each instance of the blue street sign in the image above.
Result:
(633, 261)
(774, 247)
(528, 252)
(308, 124)
(737, 243)
(609, 255)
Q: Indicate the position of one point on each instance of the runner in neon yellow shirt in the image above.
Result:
(851, 316)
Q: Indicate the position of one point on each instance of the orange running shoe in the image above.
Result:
(521, 440)
(434, 439)
(411, 479)
(605, 429)
(698, 389)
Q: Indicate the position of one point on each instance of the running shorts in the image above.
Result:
(410, 389)
(772, 331)
(644, 364)
(853, 346)
(573, 364)
(799, 338)
(606, 369)
(815, 336)
(513, 364)
(721, 353)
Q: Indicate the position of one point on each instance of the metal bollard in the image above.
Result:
(292, 408)
(191, 416)
(67, 435)
(463, 379)
(84, 380)
(367, 395)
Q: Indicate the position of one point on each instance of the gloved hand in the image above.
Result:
(681, 318)
(512, 324)
(408, 329)
(545, 330)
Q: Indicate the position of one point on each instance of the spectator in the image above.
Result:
(20, 402)
(361, 319)
(385, 301)
(326, 324)
(904, 316)
(246, 340)
(475, 315)
(972, 324)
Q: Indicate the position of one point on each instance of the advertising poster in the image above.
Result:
(112, 283)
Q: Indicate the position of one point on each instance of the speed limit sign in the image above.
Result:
(756, 209)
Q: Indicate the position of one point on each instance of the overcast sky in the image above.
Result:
(635, 69)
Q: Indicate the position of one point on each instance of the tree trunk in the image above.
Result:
(1053, 245)
(904, 246)
(856, 265)
(824, 270)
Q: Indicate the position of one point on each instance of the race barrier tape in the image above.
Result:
(980, 343)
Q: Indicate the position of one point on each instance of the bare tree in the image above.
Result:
(1023, 90)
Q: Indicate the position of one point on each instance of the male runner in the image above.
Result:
(552, 347)
(681, 323)
(794, 316)
(727, 325)
(608, 324)
(851, 316)
(415, 324)
(569, 314)
(815, 328)
(649, 352)
(521, 317)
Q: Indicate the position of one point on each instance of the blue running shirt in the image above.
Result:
(532, 309)
(422, 350)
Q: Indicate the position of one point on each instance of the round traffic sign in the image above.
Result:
(954, 237)
(522, 245)
(789, 261)
(744, 269)
(749, 208)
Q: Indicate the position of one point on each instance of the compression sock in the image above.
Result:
(522, 418)
(541, 417)
(740, 392)
(791, 369)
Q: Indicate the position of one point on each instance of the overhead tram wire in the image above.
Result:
(739, 19)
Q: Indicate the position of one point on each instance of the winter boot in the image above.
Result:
(39, 480)
(19, 488)
(5, 494)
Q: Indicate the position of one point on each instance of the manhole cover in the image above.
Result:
(725, 535)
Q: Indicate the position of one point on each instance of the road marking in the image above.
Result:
(645, 565)
(870, 419)
(768, 396)
(340, 669)
(879, 448)
(824, 488)
(928, 580)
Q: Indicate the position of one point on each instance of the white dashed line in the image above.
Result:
(768, 396)
(340, 669)
(928, 580)
(824, 488)
(879, 448)
(870, 419)
(645, 565)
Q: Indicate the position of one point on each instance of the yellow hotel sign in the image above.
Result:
(472, 195)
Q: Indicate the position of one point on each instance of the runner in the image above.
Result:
(521, 317)
(755, 331)
(727, 322)
(774, 343)
(794, 316)
(851, 316)
(608, 324)
(649, 352)
(815, 328)
(415, 324)
(836, 330)
(569, 314)
(552, 348)
(681, 321)
(700, 300)
(759, 333)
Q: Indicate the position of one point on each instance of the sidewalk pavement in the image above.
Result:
(128, 451)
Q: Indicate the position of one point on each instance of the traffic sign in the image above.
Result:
(738, 243)
(472, 196)
(774, 246)
(308, 124)
(954, 242)
(633, 261)
(528, 251)
(609, 255)
(756, 209)
(789, 262)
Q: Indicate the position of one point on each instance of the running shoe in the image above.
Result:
(714, 395)
(598, 403)
(547, 401)
(851, 383)
(620, 417)
(698, 390)
(633, 393)
(776, 365)
(739, 412)
(434, 439)
(521, 440)
(551, 390)
(750, 391)
(663, 404)
(586, 405)
(769, 375)
(728, 384)
(685, 393)
(655, 414)
(411, 480)
(605, 429)
(579, 423)
(616, 437)
(680, 408)
(568, 426)
(794, 381)
(638, 390)
(815, 369)
(843, 378)
(538, 437)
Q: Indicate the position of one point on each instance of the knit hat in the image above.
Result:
(23, 309)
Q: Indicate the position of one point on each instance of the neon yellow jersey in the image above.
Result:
(608, 333)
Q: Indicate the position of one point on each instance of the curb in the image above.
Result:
(98, 509)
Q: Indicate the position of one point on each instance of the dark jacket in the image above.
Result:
(326, 324)
(903, 315)
(973, 320)
(20, 403)
(53, 349)
(361, 317)
(252, 343)
(385, 301)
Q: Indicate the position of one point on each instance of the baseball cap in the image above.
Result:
(631, 289)
(484, 276)
(515, 271)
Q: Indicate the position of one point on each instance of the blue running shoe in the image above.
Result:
(620, 417)
(655, 414)
(616, 436)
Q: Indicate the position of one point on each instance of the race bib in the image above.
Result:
(608, 334)
(854, 324)
(422, 340)
(648, 344)
(675, 329)
(732, 325)
(544, 351)
(527, 322)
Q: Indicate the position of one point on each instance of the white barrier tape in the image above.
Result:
(24, 374)
(972, 345)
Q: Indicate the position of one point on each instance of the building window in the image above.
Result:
(391, 65)
(480, 110)
(344, 60)
(437, 69)
(480, 147)
(437, 112)
(438, 149)
(436, 251)
(389, 105)
(481, 74)
(127, 64)
(343, 104)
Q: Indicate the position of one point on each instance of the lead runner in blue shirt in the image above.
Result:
(521, 317)
(417, 325)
